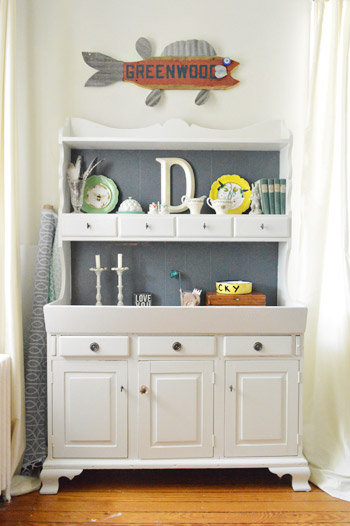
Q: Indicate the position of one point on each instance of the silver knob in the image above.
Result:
(262, 226)
(204, 226)
(94, 347)
(177, 346)
(231, 388)
(258, 346)
(143, 389)
(88, 225)
(147, 226)
(122, 388)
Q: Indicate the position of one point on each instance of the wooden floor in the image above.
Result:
(176, 497)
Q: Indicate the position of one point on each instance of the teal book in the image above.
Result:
(283, 195)
(264, 193)
(271, 190)
(276, 183)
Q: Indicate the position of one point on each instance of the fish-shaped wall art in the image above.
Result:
(187, 65)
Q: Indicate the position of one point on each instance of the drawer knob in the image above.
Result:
(94, 347)
(231, 388)
(177, 346)
(204, 226)
(147, 226)
(143, 389)
(88, 225)
(262, 226)
(258, 346)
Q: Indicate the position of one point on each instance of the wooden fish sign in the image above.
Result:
(190, 64)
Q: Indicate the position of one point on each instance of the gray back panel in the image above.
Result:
(201, 265)
(137, 173)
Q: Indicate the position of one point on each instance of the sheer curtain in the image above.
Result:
(323, 271)
(10, 298)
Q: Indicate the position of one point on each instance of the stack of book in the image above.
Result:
(272, 196)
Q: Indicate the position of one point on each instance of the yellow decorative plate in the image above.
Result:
(235, 188)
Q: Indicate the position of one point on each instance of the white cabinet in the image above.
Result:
(174, 387)
(261, 408)
(89, 401)
(176, 409)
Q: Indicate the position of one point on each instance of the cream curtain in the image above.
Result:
(323, 271)
(10, 299)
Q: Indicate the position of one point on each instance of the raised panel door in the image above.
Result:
(175, 409)
(261, 408)
(89, 409)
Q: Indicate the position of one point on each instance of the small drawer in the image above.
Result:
(258, 346)
(146, 226)
(204, 226)
(262, 226)
(88, 225)
(92, 346)
(176, 346)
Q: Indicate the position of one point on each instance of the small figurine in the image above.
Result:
(255, 207)
(153, 208)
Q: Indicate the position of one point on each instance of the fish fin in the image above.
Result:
(100, 61)
(154, 97)
(144, 48)
(103, 78)
(109, 69)
(202, 97)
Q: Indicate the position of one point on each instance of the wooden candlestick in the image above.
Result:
(120, 271)
(98, 272)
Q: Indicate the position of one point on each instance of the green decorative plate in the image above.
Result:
(100, 195)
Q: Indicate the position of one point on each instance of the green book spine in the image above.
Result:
(264, 192)
(271, 190)
(283, 195)
(276, 183)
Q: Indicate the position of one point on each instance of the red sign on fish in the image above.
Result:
(171, 73)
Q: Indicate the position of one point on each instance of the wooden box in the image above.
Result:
(253, 299)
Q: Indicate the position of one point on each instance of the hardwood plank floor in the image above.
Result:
(176, 497)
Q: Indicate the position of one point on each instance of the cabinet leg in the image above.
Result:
(300, 476)
(49, 478)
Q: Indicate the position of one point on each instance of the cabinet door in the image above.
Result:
(89, 409)
(176, 411)
(261, 408)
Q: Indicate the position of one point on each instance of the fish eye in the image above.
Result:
(226, 61)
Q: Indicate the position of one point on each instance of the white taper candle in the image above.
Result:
(98, 261)
(120, 260)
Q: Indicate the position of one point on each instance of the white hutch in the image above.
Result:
(174, 387)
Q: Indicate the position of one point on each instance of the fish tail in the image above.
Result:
(109, 70)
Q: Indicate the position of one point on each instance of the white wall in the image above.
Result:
(268, 37)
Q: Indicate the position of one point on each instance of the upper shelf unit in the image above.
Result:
(175, 134)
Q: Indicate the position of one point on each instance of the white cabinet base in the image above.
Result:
(297, 467)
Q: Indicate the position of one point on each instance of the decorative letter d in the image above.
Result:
(166, 164)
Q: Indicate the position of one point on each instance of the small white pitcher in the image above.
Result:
(193, 203)
(221, 206)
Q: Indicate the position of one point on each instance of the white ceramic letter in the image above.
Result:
(166, 164)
